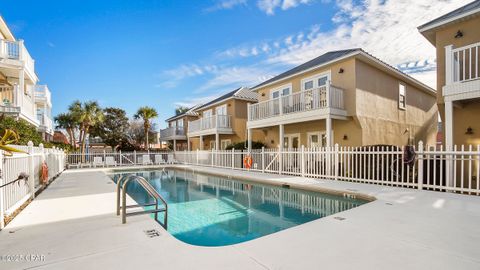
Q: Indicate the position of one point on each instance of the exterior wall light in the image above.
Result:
(469, 131)
(345, 137)
(341, 70)
(459, 34)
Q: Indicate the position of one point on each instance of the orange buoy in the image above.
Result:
(247, 162)
(44, 175)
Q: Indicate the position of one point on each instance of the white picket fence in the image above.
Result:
(15, 195)
(433, 168)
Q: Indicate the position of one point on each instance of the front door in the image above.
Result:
(291, 141)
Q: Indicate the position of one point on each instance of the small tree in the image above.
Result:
(68, 122)
(87, 114)
(113, 129)
(146, 113)
(181, 109)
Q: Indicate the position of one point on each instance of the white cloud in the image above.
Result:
(226, 4)
(269, 6)
(386, 29)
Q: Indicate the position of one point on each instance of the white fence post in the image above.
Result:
(134, 157)
(120, 157)
(197, 158)
(233, 158)
(2, 194)
(280, 159)
(302, 158)
(420, 165)
(263, 159)
(336, 161)
(31, 168)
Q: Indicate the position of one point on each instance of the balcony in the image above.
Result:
(46, 124)
(462, 74)
(43, 96)
(301, 106)
(173, 133)
(214, 124)
(16, 54)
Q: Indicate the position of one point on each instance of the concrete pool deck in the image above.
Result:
(74, 225)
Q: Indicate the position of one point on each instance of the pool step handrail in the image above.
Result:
(122, 202)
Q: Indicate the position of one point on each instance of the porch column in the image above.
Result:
(249, 140)
(281, 135)
(21, 88)
(217, 141)
(174, 145)
(188, 143)
(448, 124)
(329, 130)
(448, 127)
(201, 142)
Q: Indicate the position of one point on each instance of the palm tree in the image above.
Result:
(87, 114)
(68, 122)
(146, 113)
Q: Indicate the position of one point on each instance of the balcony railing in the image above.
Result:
(16, 50)
(9, 109)
(43, 94)
(323, 97)
(212, 122)
(462, 63)
(171, 132)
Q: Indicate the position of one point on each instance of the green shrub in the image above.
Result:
(26, 131)
(243, 145)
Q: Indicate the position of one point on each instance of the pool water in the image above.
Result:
(209, 210)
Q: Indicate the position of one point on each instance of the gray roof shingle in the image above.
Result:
(457, 12)
(322, 59)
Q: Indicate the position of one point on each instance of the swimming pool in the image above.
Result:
(208, 210)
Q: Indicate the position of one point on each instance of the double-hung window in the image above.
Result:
(402, 92)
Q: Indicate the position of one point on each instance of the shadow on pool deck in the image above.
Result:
(74, 225)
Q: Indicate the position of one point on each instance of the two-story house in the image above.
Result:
(347, 97)
(17, 77)
(456, 37)
(222, 121)
(177, 129)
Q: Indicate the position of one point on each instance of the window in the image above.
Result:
(207, 113)
(284, 90)
(315, 81)
(402, 102)
(225, 143)
(180, 123)
(221, 110)
(212, 145)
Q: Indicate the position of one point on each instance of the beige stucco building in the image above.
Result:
(177, 129)
(347, 97)
(222, 121)
(456, 37)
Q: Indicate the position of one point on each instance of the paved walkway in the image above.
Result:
(74, 226)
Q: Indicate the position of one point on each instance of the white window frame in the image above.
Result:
(212, 144)
(224, 106)
(315, 78)
(277, 89)
(404, 105)
(319, 134)
(290, 136)
(209, 111)
(225, 143)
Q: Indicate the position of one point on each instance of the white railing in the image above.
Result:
(9, 109)
(106, 159)
(16, 50)
(15, 195)
(323, 97)
(212, 122)
(429, 168)
(172, 131)
(465, 63)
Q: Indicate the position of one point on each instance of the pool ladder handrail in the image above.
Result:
(122, 204)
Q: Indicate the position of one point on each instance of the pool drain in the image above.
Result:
(152, 233)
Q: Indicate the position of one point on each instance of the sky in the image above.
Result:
(169, 53)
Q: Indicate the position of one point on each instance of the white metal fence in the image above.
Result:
(12, 196)
(429, 168)
(114, 159)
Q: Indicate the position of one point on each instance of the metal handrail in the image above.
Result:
(122, 204)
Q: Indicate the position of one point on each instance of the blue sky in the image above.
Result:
(167, 53)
